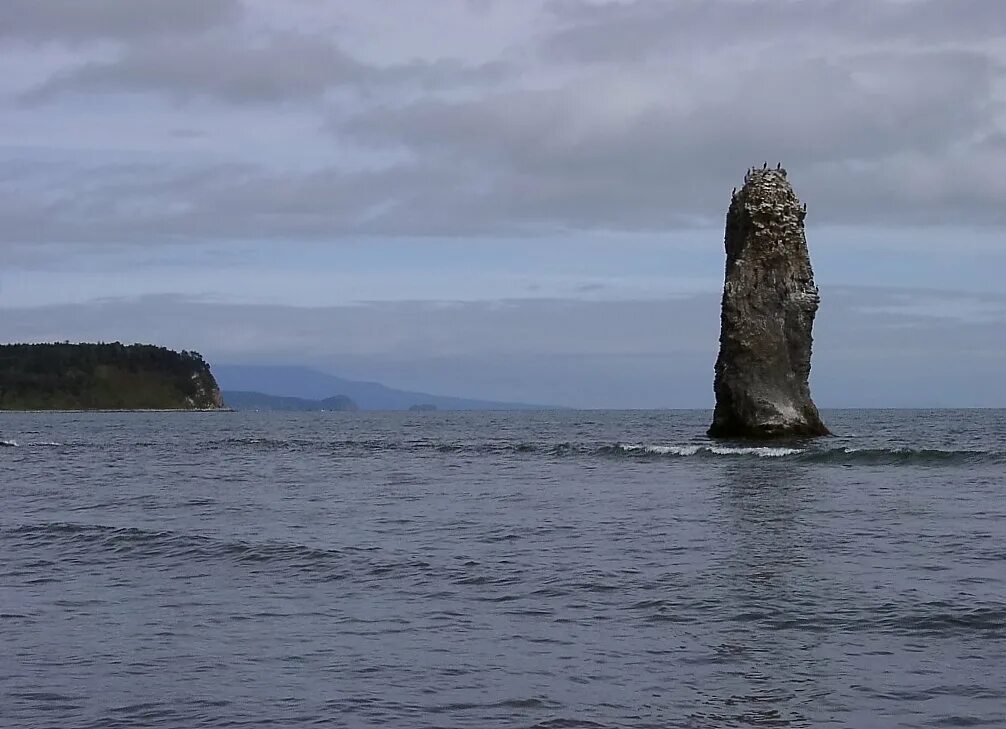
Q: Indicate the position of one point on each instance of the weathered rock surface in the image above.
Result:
(769, 304)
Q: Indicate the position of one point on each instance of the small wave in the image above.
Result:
(107, 542)
(763, 452)
(905, 456)
(686, 451)
(836, 456)
(256, 443)
(100, 544)
(657, 450)
(986, 620)
(32, 444)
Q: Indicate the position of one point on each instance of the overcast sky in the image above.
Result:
(519, 199)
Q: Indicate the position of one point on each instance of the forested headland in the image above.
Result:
(65, 376)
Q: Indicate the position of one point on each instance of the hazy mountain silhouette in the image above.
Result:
(242, 400)
(308, 384)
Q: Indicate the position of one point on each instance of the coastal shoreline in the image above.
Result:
(126, 410)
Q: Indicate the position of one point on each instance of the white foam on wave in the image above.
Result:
(45, 444)
(661, 450)
(693, 450)
(8, 443)
(761, 452)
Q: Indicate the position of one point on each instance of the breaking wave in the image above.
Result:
(699, 450)
(38, 444)
(809, 454)
(841, 456)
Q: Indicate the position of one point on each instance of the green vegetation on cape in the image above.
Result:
(115, 376)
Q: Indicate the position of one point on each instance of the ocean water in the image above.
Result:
(576, 569)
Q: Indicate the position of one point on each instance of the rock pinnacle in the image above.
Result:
(769, 304)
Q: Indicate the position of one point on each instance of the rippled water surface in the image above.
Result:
(500, 570)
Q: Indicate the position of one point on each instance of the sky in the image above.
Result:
(508, 199)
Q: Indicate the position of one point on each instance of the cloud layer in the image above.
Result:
(69, 21)
(133, 122)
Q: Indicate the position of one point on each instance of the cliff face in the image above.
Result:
(205, 394)
(769, 305)
(104, 377)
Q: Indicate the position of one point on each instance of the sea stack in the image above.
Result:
(769, 304)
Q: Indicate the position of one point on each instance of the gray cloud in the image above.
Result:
(150, 203)
(571, 157)
(76, 21)
(282, 67)
(637, 30)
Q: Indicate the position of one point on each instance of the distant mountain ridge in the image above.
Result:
(311, 385)
(242, 400)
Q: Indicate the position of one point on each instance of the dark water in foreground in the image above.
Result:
(500, 570)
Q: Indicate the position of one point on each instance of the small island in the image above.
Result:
(64, 376)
